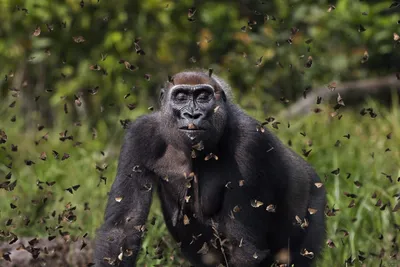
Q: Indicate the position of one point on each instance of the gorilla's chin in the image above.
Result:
(194, 135)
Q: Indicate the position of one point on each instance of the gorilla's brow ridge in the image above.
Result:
(195, 86)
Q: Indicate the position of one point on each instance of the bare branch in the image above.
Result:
(304, 106)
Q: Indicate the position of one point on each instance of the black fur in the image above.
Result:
(219, 223)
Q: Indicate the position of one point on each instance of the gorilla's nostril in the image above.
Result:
(196, 116)
(187, 115)
(192, 116)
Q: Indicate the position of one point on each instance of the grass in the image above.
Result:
(369, 228)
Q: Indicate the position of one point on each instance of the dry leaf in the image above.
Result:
(186, 220)
(256, 204)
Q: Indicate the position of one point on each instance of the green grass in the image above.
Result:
(369, 229)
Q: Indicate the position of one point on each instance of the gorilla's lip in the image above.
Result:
(186, 129)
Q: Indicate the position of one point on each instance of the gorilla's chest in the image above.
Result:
(194, 186)
(172, 164)
(192, 193)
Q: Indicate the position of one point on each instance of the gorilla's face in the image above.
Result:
(194, 112)
(192, 108)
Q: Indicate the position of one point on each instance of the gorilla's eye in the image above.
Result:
(181, 97)
(204, 97)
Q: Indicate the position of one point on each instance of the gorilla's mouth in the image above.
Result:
(191, 127)
(187, 129)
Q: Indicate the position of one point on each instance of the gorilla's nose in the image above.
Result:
(192, 116)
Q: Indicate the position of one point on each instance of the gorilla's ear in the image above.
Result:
(162, 92)
(221, 94)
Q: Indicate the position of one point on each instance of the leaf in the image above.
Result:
(318, 185)
(204, 249)
(78, 39)
(307, 254)
(309, 62)
(37, 31)
(312, 211)
(256, 204)
(186, 220)
(365, 57)
(271, 208)
(397, 207)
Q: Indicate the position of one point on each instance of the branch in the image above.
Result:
(303, 106)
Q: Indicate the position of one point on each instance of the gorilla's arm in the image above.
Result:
(128, 203)
(274, 175)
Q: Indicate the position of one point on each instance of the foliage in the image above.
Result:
(228, 36)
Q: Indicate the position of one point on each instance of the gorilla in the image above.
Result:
(231, 193)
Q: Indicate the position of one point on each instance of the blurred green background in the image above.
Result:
(62, 76)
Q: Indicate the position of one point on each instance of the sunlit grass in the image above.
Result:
(363, 156)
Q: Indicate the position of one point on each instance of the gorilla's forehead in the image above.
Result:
(193, 78)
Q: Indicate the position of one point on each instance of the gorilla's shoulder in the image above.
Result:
(144, 133)
(261, 143)
(144, 123)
